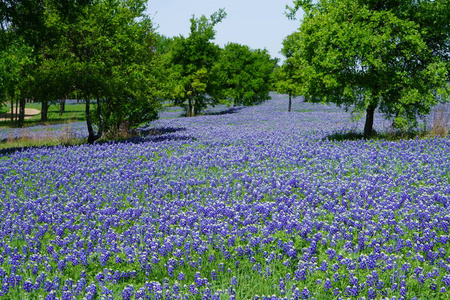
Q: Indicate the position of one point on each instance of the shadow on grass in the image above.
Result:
(12, 150)
(159, 131)
(53, 121)
(228, 111)
(344, 136)
(391, 135)
(158, 134)
(155, 135)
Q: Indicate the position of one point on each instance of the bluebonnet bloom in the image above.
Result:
(100, 277)
(108, 294)
(213, 275)
(327, 284)
(207, 294)
(198, 279)
(146, 202)
(51, 296)
(28, 285)
(406, 267)
(324, 266)
(61, 264)
(281, 285)
(91, 289)
(234, 280)
(403, 291)
(181, 276)
(127, 292)
(48, 285)
(300, 274)
(56, 283)
(446, 279)
(371, 293)
(193, 289)
(305, 293)
(351, 291)
(421, 278)
(380, 284)
(335, 267)
(140, 294)
(336, 292)
(221, 267)
(170, 270)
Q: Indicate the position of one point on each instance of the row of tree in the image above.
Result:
(107, 53)
(391, 55)
(201, 73)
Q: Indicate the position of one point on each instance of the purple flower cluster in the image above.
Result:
(255, 201)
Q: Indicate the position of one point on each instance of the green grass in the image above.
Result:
(24, 143)
(73, 113)
(388, 136)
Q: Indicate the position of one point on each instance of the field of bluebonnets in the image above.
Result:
(249, 203)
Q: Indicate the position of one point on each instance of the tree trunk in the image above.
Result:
(62, 107)
(290, 103)
(44, 111)
(368, 127)
(190, 108)
(92, 135)
(21, 112)
(17, 112)
(12, 111)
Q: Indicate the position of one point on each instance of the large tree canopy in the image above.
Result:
(391, 55)
(192, 59)
(245, 74)
(108, 55)
(26, 18)
(100, 50)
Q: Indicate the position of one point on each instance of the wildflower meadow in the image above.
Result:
(240, 203)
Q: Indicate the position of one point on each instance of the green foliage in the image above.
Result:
(90, 49)
(368, 55)
(26, 18)
(191, 61)
(73, 113)
(16, 61)
(244, 74)
(163, 44)
(287, 80)
(108, 56)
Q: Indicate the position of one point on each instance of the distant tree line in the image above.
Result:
(107, 53)
(393, 56)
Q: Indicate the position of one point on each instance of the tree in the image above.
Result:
(23, 25)
(15, 78)
(191, 61)
(27, 17)
(109, 57)
(245, 74)
(286, 79)
(365, 55)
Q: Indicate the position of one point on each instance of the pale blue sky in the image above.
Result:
(256, 23)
